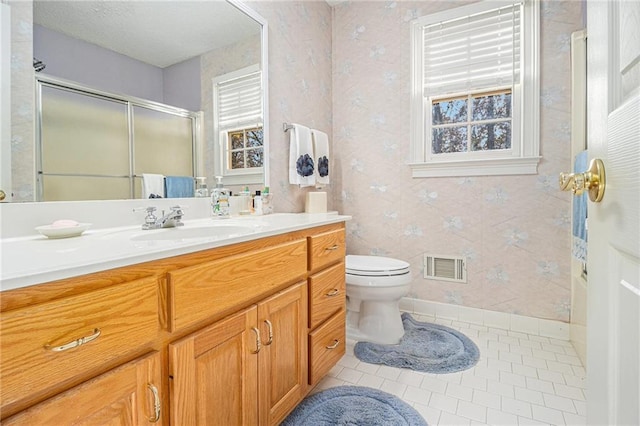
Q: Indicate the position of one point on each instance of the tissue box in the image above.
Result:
(315, 202)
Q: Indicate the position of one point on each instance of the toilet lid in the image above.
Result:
(375, 266)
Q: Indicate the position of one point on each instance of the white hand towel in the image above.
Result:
(321, 156)
(301, 164)
(152, 184)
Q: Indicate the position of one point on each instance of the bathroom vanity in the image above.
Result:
(232, 330)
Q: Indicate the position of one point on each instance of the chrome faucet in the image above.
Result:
(169, 220)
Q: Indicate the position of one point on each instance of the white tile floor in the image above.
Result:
(520, 379)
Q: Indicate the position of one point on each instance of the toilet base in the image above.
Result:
(377, 322)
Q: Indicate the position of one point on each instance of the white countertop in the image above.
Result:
(35, 259)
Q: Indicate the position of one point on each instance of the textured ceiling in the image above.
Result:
(160, 33)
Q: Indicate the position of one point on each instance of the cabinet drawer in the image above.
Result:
(37, 341)
(326, 248)
(326, 293)
(326, 346)
(221, 286)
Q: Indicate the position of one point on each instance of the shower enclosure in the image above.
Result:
(93, 145)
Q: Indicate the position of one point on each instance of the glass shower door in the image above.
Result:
(162, 144)
(84, 149)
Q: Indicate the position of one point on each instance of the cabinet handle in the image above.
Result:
(156, 403)
(270, 332)
(333, 292)
(335, 344)
(258, 343)
(75, 343)
(333, 247)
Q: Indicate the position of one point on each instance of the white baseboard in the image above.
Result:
(518, 323)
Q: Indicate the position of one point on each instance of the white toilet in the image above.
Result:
(375, 286)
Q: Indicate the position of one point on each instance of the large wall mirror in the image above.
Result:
(132, 88)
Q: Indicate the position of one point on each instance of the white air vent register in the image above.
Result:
(445, 268)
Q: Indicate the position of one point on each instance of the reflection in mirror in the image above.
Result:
(164, 53)
(95, 146)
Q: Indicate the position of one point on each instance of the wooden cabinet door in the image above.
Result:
(282, 320)
(127, 395)
(213, 374)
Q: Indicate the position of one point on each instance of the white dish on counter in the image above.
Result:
(52, 231)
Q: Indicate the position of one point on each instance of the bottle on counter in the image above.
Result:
(201, 187)
(220, 199)
(257, 204)
(267, 206)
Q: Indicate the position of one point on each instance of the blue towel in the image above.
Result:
(579, 246)
(179, 186)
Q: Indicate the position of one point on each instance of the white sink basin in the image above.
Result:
(193, 233)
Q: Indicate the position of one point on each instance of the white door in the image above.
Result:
(613, 122)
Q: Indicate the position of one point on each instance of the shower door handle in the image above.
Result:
(593, 180)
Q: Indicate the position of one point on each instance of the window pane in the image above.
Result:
(491, 136)
(237, 140)
(449, 139)
(452, 111)
(237, 160)
(255, 157)
(490, 107)
(254, 137)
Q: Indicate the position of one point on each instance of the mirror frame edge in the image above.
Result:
(264, 66)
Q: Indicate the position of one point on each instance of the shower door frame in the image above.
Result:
(130, 102)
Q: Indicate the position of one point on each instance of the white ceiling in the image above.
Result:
(160, 33)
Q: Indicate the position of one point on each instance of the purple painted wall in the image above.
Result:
(94, 66)
(182, 84)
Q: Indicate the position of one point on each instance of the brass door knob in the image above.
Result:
(593, 181)
(3, 195)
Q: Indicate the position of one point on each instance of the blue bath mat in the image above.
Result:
(353, 405)
(427, 347)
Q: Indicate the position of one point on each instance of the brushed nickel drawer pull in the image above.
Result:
(335, 344)
(156, 403)
(333, 292)
(74, 344)
(270, 332)
(258, 343)
(333, 247)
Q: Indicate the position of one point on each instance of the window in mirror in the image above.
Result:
(246, 149)
(238, 120)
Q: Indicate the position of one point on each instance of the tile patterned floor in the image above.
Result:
(520, 379)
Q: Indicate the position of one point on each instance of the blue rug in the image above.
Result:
(353, 405)
(427, 347)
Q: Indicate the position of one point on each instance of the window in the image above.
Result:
(245, 149)
(238, 126)
(475, 97)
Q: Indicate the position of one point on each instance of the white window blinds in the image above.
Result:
(473, 52)
(239, 101)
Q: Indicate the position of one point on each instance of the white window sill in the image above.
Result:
(482, 167)
(243, 179)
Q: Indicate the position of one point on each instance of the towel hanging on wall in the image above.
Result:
(301, 163)
(152, 185)
(179, 186)
(321, 156)
(579, 244)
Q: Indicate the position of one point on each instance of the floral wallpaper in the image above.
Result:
(513, 230)
(22, 102)
(300, 81)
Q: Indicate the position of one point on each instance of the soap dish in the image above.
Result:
(51, 231)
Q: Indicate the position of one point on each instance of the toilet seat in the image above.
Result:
(375, 266)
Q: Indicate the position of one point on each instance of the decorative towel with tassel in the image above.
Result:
(579, 244)
(321, 155)
(152, 185)
(301, 164)
(179, 186)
